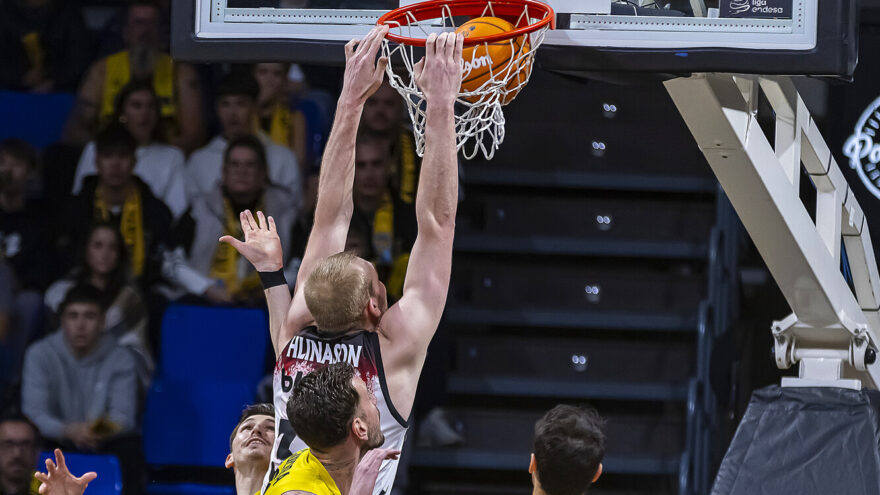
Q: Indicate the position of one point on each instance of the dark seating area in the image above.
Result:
(587, 262)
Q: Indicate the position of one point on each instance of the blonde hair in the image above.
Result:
(336, 293)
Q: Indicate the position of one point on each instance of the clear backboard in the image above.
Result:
(674, 36)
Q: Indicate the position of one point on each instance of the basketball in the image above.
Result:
(497, 58)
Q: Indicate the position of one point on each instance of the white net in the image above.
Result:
(479, 118)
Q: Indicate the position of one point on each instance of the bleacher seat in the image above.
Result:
(211, 362)
(36, 118)
(317, 114)
(109, 480)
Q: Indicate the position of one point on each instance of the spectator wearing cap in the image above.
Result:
(237, 112)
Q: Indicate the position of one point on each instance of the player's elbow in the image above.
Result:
(438, 225)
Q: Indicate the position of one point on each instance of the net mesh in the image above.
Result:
(479, 118)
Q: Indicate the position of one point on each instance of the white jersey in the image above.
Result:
(312, 349)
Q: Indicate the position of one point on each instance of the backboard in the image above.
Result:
(793, 37)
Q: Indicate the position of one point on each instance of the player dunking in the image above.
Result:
(339, 309)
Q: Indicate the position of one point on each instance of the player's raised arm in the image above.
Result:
(363, 75)
(411, 323)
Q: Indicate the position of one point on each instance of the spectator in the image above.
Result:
(102, 264)
(109, 38)
(80, 387)
(389, 221)
(23, 257)
(569, 446)
(45, 45)
(250, 447)
(158, 164)
(237, 111)
(118, 197)
(384, 116)
(285, 126)
(19, 453)
(216, 271)
(176, 84)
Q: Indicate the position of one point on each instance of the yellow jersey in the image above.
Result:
(302, 472)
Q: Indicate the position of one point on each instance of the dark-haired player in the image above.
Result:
(338, 419)
(569, 446)
(250, 447)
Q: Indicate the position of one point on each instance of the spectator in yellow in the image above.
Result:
(285, 126)
(384, 116)
(175, 84)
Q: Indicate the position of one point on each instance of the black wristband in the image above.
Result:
(272, 279)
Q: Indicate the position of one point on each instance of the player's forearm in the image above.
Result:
(437, 197)
(337, 167)
(278, 301)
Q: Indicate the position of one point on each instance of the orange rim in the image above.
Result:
(434, 9)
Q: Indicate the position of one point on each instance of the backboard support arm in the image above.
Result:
(832, 332)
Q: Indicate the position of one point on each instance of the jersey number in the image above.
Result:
(285, 430)
(288, 382)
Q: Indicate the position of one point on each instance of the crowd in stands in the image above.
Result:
(121, 216)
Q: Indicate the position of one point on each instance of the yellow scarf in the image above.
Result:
(397, 275)
(383, 245)
(33, 48)
(131, 225)
(118, 74)
(224, 265)
(279, 125)
(383, 231)
(408, 168)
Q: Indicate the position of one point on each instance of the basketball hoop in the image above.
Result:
(479, 123)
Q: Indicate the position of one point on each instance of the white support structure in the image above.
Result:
(831, 332)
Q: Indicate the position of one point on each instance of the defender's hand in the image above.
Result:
(438, 74)
(363, 74)
(57, 480)
(367, 470)
(261, 245)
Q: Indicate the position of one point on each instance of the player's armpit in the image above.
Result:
(410, 324)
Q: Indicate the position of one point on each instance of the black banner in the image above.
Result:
(751, 9)
(852, 129)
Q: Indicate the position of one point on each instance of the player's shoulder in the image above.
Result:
(396, 320)
(298, 319)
